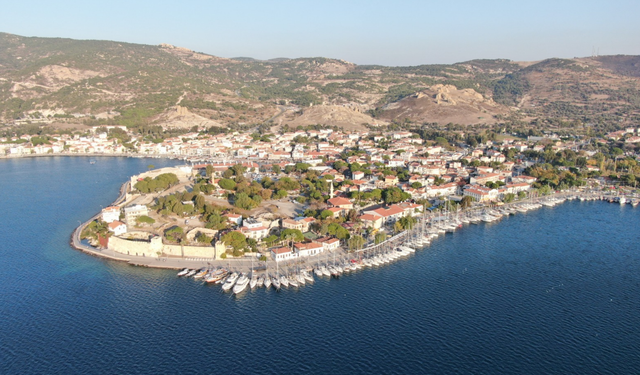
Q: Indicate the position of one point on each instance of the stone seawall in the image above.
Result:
(155, 248)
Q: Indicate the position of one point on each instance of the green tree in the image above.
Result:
(227, 184)
(235, 239)
(380, 237)
(356, 242)
(292, 234)
(326, 214)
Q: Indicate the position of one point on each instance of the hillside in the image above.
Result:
(103, 82)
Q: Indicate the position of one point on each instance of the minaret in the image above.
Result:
(331, 190)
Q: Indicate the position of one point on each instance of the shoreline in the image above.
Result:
(127, 155)
(247, 263)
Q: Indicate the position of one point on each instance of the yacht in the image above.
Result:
(267, 281)
(230, 281)
(254, 281)
(241, 284)
(284, 281)
(307, 276)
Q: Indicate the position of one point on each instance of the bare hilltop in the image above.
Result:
(88, 83)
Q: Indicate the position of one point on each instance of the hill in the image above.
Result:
(104, 82)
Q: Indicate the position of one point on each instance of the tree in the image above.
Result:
(416, 185)
(394, 195)
(466, 201)
(326, 214)
(174, 234)
(380, 237)
(509, 197)
(227, 184)
(292, 234)
(243, 201)
(209, 170)
(276, 168)
(145, 220)
(235, 239)
(356, 242)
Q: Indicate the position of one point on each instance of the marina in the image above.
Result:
(293, 275)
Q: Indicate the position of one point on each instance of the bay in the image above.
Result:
(552, 291)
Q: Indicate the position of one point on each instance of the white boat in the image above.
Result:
(275, 283)
(284, 281)
(241, 284)
(267, 281)
(317, 271)
(307, 276)
(184, 272)
(190, 273)
(300, 279)
(261, 281)
(325, 271)
(254, 281)
(292, 281)
(230, 281)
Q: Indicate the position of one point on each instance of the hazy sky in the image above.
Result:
(401, 32)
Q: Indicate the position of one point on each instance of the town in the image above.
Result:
(281, 197)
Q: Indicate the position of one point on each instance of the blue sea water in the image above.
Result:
(553, 291)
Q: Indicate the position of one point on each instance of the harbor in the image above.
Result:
(238, 276)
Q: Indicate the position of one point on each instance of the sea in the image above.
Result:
(551, 291)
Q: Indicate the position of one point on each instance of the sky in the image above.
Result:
(392, 33)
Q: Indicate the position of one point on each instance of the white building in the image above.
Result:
(131, 213)
(118, 228)
(111, 214)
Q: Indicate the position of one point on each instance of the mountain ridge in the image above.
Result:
(105, 82)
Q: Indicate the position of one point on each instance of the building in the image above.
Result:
(328, 243)
(111, 214)
(234, 219)
(131, 213)
(301, 223)
(307, 249)
(117, 227)
(282, 254)
(253, 228)
(388, 214)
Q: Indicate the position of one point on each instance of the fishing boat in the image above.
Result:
(183, 272)
(216, 276)
(190, 273)
(241, 284)
(200, 274)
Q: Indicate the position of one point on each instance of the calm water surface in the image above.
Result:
(555, 291)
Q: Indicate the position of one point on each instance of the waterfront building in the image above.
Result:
(282, 254)
(110, 214)
(307, 249)
(117, 227)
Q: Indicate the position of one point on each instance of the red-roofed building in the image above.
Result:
(340, 202)
(307, 249)
(118, 227)
(282, 253)
(388, 214)
(371, 221)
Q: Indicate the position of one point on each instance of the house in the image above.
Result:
(388, 214)
(300, 223)
(307, 249)
(117, 227)
(340, 202)
(252, 228)
(131, 213)
(371, 221)
(328, 243)
(480, 193)
(411, 209)
(234, 219)
(111, 214)
(281, 254)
